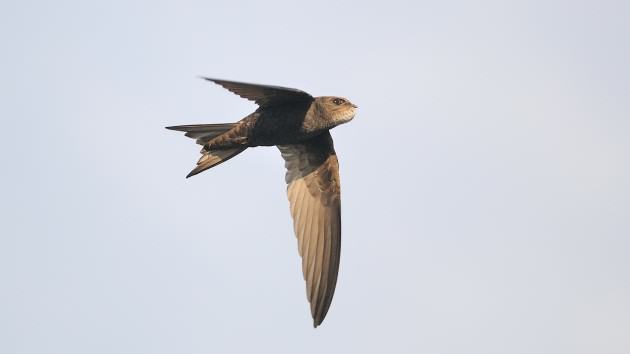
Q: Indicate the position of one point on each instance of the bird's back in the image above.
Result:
(280, 125)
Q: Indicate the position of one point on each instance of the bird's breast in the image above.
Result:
(279, 126)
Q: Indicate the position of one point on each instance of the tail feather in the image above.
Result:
(214, 157)
(203, 132)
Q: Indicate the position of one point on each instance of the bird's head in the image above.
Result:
(335, 110)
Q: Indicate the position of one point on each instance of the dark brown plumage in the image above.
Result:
(299, 125)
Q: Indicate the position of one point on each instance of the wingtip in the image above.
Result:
(316, 323)
(208, 78)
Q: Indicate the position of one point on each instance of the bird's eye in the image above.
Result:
(338, 101)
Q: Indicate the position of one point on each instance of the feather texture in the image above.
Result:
(314, 197)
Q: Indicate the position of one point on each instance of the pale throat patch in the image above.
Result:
(319, 117)
(344, 117)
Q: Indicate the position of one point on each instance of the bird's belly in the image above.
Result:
(276, 137)
(277, 128)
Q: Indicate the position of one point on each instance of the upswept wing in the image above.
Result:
(264, 95)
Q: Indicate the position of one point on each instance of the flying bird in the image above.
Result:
(298, 124)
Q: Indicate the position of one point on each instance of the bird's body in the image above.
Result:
(299, 125)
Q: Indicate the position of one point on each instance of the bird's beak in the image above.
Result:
(354, 105)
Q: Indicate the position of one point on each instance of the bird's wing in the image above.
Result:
(313, 190)
(264, 95)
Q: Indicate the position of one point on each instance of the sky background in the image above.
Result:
(485, 178)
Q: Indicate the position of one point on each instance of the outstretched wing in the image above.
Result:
(264, 95)
(313, 190)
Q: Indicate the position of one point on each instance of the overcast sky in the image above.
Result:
(485, 178)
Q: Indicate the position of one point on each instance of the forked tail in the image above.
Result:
(204, 133)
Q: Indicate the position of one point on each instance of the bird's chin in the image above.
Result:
(345, 119)
(341, 119)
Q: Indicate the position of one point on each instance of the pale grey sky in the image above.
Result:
(485, 179)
